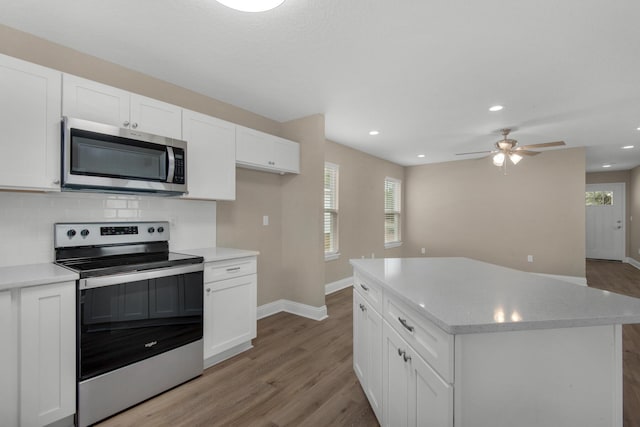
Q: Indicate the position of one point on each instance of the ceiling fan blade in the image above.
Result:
(525, 152)
(544, 144)
(474, 152)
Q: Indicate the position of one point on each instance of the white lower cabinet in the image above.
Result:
(8, 359)
(367, 350)
(414, 394)
(230, 305)
(47, 343)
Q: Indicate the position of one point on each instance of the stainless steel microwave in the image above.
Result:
(99, 157)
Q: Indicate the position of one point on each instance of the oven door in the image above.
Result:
(126, 318)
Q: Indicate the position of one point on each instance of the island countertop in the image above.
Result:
(463, 296)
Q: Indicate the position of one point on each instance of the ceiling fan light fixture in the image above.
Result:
(251, 5)
(498, 159)
(515, 158)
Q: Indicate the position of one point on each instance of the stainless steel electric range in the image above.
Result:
(139, 313)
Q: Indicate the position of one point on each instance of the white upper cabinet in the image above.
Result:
(89, 100)
(30, 123)
(261, 151)
(211, 153)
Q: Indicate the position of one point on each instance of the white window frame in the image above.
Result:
(395, 210)
(335, 253)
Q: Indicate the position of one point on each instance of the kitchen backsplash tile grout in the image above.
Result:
(26, 220)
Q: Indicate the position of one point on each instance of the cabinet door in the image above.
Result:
(254, 148)
(374, 354)
(157, 117)
(89, 100)
(47, 353)
(287, 155)
(211, 154)
(396, 376)
(229, 313)
(8, 360)
(30, 124)
(430, 397)
(360, 339)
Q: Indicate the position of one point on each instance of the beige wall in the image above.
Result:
(469, 208)
(617, 176)
(302, 240)
(361, 207)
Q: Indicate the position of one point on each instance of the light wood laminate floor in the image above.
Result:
(300, 373)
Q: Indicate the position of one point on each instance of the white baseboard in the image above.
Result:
(227, 354)
(576, 280)
(339, 285)
(297, 308)
(633, 262)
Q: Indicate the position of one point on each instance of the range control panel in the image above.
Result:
(72, 234)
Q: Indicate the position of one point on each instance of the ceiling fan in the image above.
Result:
(507, 148)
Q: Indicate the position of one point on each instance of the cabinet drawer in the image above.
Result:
(370, 291)
(432, 343)
(221, 270)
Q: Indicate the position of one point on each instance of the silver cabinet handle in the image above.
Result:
(405, 357)
(134, 125)
(364, 287)
(233, 269)
(208, 290)
(56, 181)
(400, 352)
(362, 307)
(126, 124)
(404, 323)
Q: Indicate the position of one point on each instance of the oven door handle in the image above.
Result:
(98, 282)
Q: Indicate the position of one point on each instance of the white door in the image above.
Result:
(605, 206)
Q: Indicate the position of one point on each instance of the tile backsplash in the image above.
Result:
(26, 220)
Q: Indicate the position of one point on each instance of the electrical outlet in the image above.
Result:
(265, 220)
(530, 258)
(373, 255)
(423, 251)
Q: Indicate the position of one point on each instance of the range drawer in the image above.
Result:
(221, 270)
(432, 343)
(370, 291)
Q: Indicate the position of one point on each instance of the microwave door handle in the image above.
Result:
(171, 160)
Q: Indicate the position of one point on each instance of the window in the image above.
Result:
(392, 206)
(599, 198)
(330, 211)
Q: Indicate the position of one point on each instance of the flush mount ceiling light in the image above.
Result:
(607, 165)
(374, 133)
(421, 155)
(496, 108)
(628, 147)
(251, 5)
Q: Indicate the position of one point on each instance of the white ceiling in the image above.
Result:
(423, 73)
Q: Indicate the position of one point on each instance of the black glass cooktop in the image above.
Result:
(116, 264)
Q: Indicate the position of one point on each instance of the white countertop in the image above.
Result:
(21, 276)
(463, 296)
(219, 254)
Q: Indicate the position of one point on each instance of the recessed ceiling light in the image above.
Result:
(251, 5)
(421, 155)
(628, 147)
(496, 108)
(606, 165)
(373, 132)
(638, 128)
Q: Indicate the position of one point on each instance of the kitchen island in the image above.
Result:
(459, 342)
